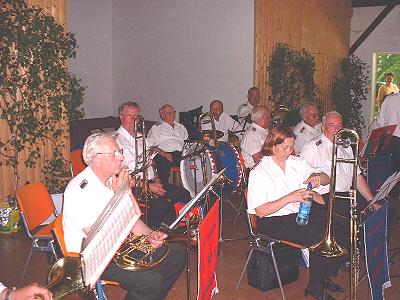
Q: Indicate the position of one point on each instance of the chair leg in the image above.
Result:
(277, 271)
(21, 281)
(244, 267)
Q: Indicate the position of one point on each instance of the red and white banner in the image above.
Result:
(208, 254)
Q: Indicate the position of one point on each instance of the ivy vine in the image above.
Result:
(36, 89)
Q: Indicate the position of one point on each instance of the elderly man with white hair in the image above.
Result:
(255, 136)
(308, 128)
(84, 200)
(169, 136)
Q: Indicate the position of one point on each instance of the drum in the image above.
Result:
(197, 170)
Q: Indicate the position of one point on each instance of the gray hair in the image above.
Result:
(305, 107)
(331, 113)
(90, 148)
(258, 112)
(127, 104)
(252, 89)
(162, 109)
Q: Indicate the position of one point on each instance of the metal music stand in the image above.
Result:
(182, 214)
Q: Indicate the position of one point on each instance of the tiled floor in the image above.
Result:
(14, 251)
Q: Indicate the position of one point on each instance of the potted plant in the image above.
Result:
(39, 97)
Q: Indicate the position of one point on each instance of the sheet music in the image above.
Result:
(387, 186)
(108, 233)
(183, 212)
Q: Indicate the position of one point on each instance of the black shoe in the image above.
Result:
(333, 287)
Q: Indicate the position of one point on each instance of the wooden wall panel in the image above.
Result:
(55, 8)
(322, 27)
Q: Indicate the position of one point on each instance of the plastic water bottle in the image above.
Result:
(304, 210)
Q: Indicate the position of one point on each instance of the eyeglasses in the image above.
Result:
(116, 153)
(129, 116)
(170, 112)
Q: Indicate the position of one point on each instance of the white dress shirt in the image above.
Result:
(390, 113)
(84, 199)
(318, 153)
(268, 182)
(305, 133)
(127, 142)
(244, 109)
(2, 287)
(252, 143)
(224, 123)
(168, 138)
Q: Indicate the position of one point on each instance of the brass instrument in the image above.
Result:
(136, 253)
(208, 118)
(65, 278)
(327, 246)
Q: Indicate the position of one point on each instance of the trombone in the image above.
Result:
(328, 246)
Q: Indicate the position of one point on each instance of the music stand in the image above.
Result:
(378, 141)
(182, 214)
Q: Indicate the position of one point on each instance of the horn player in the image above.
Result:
(276, 188)
(83, 203)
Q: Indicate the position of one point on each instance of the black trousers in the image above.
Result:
(162, 210)
(286, 228)
(163, 165)
(150, 284)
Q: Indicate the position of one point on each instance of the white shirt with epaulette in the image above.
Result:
(318, 153)
(305, 133)
(127, 142)
(224, 124)
(252, 143)
(168, 138)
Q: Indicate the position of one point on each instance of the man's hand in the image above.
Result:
(157, 188)
(117, 182)
(156, 238)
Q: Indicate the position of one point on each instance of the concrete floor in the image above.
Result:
(14, 251)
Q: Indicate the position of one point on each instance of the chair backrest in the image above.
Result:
(58, 234)
(35, 203)
(77, 163)
(251, 218)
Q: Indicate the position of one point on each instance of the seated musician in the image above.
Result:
(276, 188)
(169, 136)
(85, 198)
(253, 100)
(223, 122)
(308, 128)
(255, 136)
(162, 208)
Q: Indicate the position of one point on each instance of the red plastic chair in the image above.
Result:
(77, 163)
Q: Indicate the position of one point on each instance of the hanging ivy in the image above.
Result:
(36, 89)
(291, 77)
(349, 92)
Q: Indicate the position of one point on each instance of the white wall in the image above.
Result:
(385, 38)
(183, 52)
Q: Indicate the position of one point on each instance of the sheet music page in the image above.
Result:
(108, 233)
(191, 203)
(387, 186)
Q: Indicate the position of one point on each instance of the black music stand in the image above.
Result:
(182, 214)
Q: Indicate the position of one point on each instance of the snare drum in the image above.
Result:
(194, 176)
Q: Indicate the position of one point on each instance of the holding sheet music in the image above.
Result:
(84, 200)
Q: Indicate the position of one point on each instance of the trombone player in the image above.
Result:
(85, 198)
(162, 209)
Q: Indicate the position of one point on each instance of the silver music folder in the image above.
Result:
(108, 233)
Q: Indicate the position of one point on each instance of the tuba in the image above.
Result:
(328, 246)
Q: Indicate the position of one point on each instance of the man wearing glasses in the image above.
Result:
(161, 209)
(85, 198)
(169, 136)
(308, 128)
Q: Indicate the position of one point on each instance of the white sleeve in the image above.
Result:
(2, 287)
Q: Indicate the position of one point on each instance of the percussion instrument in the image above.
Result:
(196, 170)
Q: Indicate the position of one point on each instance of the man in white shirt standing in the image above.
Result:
(255, 136)
(223, 122)
(169, 136)
(390, 115)
(308, 128)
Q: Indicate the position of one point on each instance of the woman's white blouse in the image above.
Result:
(268, 182)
